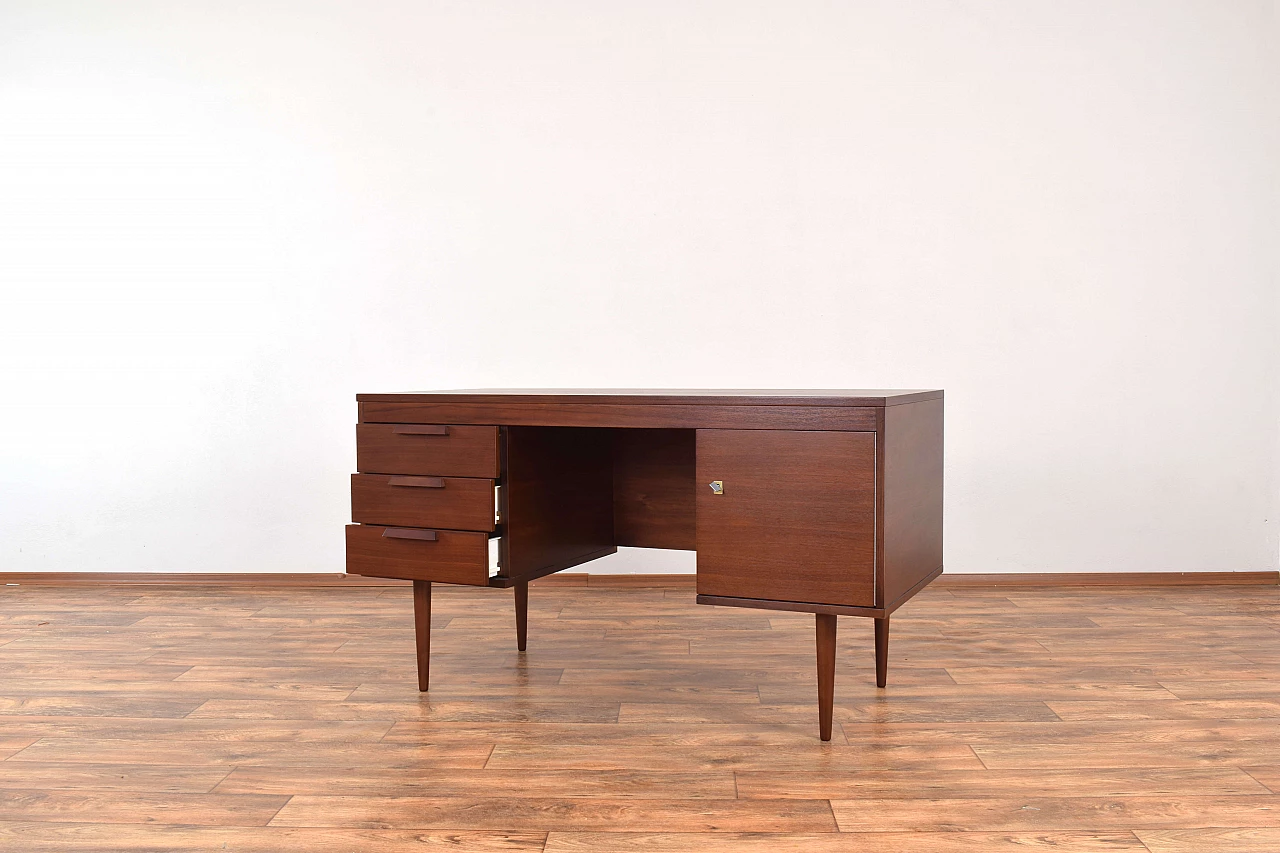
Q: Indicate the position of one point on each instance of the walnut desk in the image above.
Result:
(825, 502)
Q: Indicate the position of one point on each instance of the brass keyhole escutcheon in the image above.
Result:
(717, 487)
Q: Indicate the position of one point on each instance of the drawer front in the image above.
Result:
(791, 516)
(452, 556)
(453, 503)
(441, 450)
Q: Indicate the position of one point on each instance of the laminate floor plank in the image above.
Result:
(844, 842)
(599, 813)
(241, 753)
(365, 780)
(622, 734)
(161, 779)
(1226, 709)
(209, 718)
(844, 784)
(174, 690)
(37, 837)
(775, 756)
(424, 708)
(106, 806)
(1031, 813)
(29, 729)
(1067, 756)
(1214, 840)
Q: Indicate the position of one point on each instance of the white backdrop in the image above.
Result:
(219, 221)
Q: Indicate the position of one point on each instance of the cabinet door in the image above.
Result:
(793, 518)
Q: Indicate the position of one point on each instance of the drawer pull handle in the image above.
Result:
(409, 533)
(419, 429)
(417, 482)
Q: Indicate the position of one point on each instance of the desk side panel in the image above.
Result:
(559, 499)
(610, 415)
(912, 544)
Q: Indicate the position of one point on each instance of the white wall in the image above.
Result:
(219, 221)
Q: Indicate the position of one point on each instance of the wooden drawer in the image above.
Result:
(435, 449)
(447, 556)
(454, 503)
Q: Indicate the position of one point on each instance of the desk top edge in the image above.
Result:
(656, 397)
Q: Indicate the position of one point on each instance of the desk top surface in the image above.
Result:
(664, 396)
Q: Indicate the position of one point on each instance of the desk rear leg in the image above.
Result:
(522, 614)
(882, 651)
(422, 629)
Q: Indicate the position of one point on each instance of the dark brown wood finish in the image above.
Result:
(559, 499)
(633, 416)
(454, 503)
(825, 625)
(558, 397)
(522, 614)
(882, 651)
(796, 520)
(912, 497)
(422, 631)
(460, 451)
(303, 580)
(831, 501)
(653, 488)
(452, 557)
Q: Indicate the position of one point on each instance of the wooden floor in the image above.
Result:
(211, 719)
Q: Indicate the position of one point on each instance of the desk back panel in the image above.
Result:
(558, 498)
(653, 488)
(796, 520)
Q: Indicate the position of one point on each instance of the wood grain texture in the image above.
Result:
(558, 496)
(653, 488)
(186, 718)
(825, 625)
(845, 842)
(453, 557)
(912, 498)
(665, 396)
(464, 451)
(422, 632)
(457, 503)
(631, 416)
(326, 579)
(796, 521)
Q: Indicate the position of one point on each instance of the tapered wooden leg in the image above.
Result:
(826, 628)
(522, 614)
(422, 629)
(882, 651)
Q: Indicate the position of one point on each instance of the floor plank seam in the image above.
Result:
(1245, 771)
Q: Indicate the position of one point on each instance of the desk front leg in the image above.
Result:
(826, 631)
(422, 630)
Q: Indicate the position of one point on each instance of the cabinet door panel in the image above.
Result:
(795, 519)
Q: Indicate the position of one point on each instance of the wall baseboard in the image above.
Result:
(1080, 579)
(683, 581)
(259, 579)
